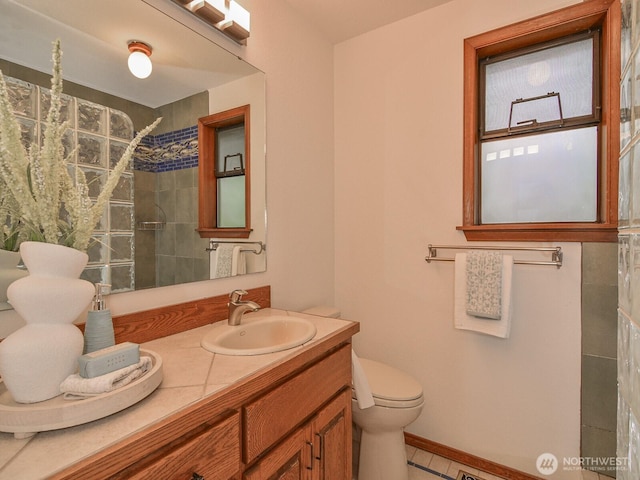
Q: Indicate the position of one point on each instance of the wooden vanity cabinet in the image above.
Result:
(213, 454)
(290, 422)
(319, 449)
(332, 439)
(288, 460)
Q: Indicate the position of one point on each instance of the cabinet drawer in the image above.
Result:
(270, 417)
(214, 454)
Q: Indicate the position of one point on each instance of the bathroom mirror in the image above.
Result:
(192, 77)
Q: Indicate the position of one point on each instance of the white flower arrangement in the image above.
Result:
(51, 206)
(10, 232)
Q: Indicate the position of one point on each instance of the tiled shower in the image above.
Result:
(98, 136)
(101, 126)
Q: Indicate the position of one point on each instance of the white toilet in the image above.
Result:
(398, 400)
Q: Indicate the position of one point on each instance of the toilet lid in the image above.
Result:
(388, 383)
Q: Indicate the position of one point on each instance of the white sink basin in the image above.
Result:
(255, 336)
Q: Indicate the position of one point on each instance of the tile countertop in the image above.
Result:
(190, 374)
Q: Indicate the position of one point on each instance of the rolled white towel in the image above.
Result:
(75, 387)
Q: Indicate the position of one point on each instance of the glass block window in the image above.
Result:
(99, 136)
(539, 135)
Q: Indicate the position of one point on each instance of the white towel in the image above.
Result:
(360, 383)
(238, 261)
(75, 387)
(220, 261)
(499, 328)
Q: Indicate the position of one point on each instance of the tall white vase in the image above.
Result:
(35, 359)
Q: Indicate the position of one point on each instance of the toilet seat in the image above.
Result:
(391, 387)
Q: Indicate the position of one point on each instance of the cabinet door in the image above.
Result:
(213, 454)
(269, 418)
(332, 439)
(290, 460)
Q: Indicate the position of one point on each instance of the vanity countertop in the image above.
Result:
(191, 374)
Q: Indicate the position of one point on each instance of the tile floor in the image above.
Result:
(427, 466)
(424, 465)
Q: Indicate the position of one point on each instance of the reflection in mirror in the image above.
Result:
(225, 172)
(192, 77)
(231, 177)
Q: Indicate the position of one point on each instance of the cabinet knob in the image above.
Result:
(195, 476)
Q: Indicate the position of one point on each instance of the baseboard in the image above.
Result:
(466, 458)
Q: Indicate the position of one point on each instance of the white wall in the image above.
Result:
(249, 91)
(398, 182)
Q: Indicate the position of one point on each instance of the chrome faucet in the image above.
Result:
(237, 307)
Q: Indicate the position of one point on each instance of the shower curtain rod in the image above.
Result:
(556, 253)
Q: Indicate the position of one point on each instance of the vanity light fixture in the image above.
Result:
(226, 16)
(237, 22)
(139, 61)
(211, 11)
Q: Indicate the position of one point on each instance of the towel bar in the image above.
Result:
(556, 253)
(213, 245)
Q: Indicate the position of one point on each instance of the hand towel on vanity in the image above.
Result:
(462, 320)
(238, 261)
(220, 261)
(484, 284)
(75, 387)
(360, 383)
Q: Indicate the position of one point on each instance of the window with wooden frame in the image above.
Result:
(541, 127)
(224, 180)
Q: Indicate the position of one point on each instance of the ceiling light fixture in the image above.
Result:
(139, 61)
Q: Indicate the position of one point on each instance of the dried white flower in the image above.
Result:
(53, 206)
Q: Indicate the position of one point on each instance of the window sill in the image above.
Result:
(224, 232)
(542, 232)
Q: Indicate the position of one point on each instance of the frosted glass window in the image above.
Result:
(566, 70)
(231, 206)
(550, 177)
(231, 179)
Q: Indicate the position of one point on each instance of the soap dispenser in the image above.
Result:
(98, 330)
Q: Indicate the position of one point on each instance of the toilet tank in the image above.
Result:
(323, 311)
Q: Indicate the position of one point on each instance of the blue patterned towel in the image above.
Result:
(484, 284)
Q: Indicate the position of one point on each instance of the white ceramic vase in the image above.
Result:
(36, 358)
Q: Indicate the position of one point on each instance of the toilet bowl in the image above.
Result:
(398, 399)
